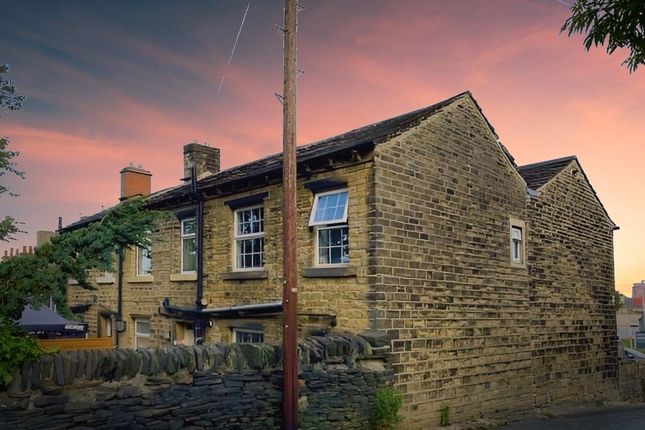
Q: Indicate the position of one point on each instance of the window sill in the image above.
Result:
(140, 279)
(178, 277)
(329, 272)
(246, 274)
(108, 279)
(518, 265)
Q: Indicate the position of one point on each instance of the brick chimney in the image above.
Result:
(135, 181)
(205, 158)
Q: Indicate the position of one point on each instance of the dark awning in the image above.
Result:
(44, 319)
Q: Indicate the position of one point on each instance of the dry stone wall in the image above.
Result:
(216, 386)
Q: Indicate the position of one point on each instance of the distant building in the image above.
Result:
(638, 291)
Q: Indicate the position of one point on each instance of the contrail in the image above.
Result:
(234, 45)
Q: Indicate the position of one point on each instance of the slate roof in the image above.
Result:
(370, 134)
(538, 174)
(344, 143)
(87, 220)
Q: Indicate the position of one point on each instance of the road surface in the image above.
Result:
(622, 418)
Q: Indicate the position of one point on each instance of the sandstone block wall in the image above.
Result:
(573, 325)
(443, 287)
(341, 297)
(215, 386)
(632, 380)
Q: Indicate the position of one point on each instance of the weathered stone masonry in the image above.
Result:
(432, 199)
(215, 386)
(573, 325)
(445, 292)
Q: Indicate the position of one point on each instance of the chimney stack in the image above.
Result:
(204, 157)
(43, 237)
(135, 181)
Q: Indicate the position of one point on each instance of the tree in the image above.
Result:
(619, 300)
(8, 100)
(31, 279)
(619, 23)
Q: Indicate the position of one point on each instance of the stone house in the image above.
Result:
(491, 283)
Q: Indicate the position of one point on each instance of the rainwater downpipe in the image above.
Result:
(198, 323)
(119, 297)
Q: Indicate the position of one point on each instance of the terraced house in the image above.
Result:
(492, 283)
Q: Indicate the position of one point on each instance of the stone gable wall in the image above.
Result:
(215, 386)
(570, 250)
(444, 290)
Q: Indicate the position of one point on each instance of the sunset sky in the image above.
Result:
(114, 82)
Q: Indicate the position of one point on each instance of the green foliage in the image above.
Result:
(15, 347)
(444, 419)
(619, 300)
(619, 23)
(33, 279)
(388, 404)
(8, 100)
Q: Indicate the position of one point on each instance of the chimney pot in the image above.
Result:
(205, 158)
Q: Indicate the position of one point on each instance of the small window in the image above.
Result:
(249, 238)
(144, 261)
(247, 336)
(142, 333)
(517, 243)
(329, 208)
(333, 245)
(188, 245)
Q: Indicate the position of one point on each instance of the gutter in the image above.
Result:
(240, 311)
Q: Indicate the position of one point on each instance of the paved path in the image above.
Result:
(623, 418)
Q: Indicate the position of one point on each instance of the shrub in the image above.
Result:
(16, 346)
(388, 404)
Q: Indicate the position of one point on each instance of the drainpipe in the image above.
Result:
(198, 323)
(119, 297)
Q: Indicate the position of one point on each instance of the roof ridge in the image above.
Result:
(412, 114)
(545, 162)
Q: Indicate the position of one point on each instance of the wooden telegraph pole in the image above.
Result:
(289, 224)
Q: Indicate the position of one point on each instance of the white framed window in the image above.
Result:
(329, 217)
(144, 261)
(516, 238)
(329, 208)
(142, 337)
(188, 245)
(518, 243)
(332, 245)
(249, 238)
(247, 336)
